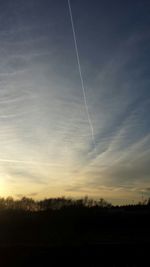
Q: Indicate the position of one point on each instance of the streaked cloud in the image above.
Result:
(44, 133)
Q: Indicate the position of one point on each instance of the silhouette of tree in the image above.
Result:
(26, 204)
(103, 203)
(2, 203)
(9, 203)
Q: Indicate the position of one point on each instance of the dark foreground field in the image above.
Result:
(75, 236)
(95, 255)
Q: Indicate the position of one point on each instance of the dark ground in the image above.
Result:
(75, 237)
(97, 255)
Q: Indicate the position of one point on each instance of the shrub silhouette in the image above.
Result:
(62, 221)
(29, 204)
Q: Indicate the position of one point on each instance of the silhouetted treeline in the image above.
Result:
(48, 228)
(26, 203)
(60, 221)
(30, 204)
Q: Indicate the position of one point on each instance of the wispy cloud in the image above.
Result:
(44, 132)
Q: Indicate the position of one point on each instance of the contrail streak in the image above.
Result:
(80, 73)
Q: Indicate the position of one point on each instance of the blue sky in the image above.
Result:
(45, 138)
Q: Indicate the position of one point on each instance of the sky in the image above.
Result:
(46, 144)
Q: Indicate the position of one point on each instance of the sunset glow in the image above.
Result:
(46, 146)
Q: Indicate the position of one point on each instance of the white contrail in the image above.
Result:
(80, 73)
